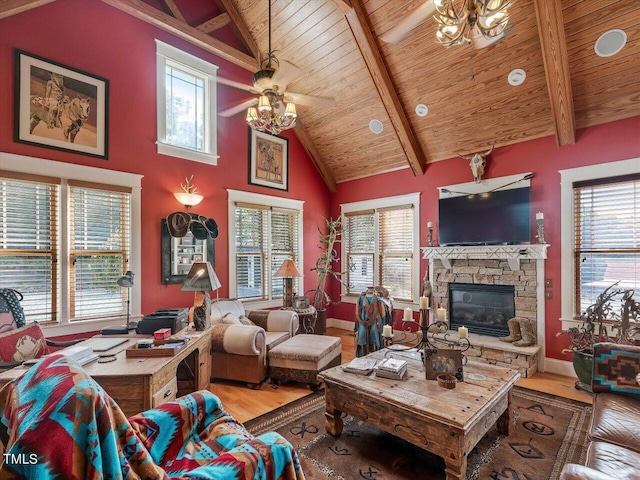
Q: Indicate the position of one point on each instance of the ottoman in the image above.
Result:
(302, 357)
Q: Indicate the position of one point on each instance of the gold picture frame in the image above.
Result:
(268, 160)
(443, 361)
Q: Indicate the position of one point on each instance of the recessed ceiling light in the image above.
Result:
(422, 110)
(376, 126)
(516, 77)
(610, 42)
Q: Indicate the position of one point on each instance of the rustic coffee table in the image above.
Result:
(448, 423)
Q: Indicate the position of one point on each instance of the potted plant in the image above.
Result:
(601, 323)
(324, 269)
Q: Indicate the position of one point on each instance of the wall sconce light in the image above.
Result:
(188, 197)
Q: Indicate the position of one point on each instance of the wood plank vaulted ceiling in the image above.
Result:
(337, 45)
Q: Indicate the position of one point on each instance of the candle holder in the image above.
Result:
(430, 236)
(431, 342)
(540, 234)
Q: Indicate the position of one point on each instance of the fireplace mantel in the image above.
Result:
(512, 253)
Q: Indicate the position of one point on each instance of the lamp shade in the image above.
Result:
(201, 278)
(126, 280)
(288, 269)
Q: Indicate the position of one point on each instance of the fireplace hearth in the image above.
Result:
(482, 308)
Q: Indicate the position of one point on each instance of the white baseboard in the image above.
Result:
(341, 324)
(559, 367)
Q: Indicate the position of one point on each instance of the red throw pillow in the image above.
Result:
(23, 344)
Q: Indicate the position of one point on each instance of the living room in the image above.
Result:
(110, 43)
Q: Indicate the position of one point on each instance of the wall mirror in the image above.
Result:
(178, 254)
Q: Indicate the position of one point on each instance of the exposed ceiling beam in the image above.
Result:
(343, 5)
(238, 25)
(312, 151)
(13, 7)
(214, 23)
(556, 69)
(173, 8)
(361, 30)
(155, 17)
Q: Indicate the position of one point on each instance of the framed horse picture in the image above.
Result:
(268, 160)
(59, 107)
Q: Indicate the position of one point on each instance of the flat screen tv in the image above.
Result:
(497, 218)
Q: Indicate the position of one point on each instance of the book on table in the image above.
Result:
(393, 365)
(382, 373)
(360, 365)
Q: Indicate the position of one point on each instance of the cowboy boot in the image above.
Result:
(514, 331)
(528, 332)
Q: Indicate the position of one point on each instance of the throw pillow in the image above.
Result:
(230, 319)
(23, 344)
(615, 368)
(245, 321)
(11, 313)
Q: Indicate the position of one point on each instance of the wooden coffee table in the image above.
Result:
(448, 423)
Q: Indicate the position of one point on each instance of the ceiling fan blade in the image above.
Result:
(230, 112)
(412, 20)
(286, 73)
(479, 41)
(234, 84)
(309, 100)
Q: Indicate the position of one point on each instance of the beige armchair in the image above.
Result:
(241, 340)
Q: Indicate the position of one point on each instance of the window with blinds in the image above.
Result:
(32, 234)
(99, 241)
(607, 237)
(379, 248)
(264, 238)
(29, 242)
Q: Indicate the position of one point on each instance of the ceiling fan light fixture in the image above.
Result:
(264, 105)
(252, 114)
(290, 110)
(489, 17)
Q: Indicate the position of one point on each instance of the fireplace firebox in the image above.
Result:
(483, 309)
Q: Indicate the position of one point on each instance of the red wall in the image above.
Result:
(605, 143)
(92, 36)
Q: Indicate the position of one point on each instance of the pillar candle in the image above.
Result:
(539, 216)
(387, 331)
(408, 314)
(424, 303)
(463, 332)
(441, 314)
(429, 225)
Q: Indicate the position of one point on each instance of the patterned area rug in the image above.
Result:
(547, 432)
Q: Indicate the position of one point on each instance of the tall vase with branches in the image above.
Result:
(324, 266)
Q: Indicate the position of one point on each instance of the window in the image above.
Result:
(186, 96)
(265, 231)
(607, 243)
(380, 246)
(600, 232)
(65, 241)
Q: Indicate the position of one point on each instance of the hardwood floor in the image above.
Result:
(244, 404)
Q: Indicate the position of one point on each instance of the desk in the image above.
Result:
(140, 383)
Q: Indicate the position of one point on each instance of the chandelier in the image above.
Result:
(476, 18)
(270, 116)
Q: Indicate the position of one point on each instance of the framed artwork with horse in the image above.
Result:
(60, 107)
(268, 160)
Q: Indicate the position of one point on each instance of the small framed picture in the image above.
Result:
(59, 107)
(443, 360)
(268, 160)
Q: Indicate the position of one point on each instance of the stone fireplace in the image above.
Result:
(511, 268)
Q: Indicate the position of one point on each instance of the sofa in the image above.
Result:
(56, 422)
(614, 433)
(241, 340)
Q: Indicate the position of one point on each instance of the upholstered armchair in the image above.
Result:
(241, 340)
(57, 422)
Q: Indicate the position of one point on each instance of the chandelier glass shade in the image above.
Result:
(473, 19)
(269, 117)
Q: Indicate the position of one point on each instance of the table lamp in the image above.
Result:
(201, 279)
(125, 281)
(287, 271)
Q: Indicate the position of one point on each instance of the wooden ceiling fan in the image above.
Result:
(479, 22)
(271, 82)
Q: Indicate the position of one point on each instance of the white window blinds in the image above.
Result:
(29, 242)
(607, 237)
(265, 237)
(379, 246)
(100, 246)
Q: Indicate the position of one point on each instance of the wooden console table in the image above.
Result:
(141, 383)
